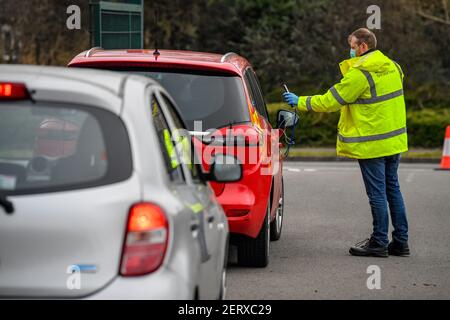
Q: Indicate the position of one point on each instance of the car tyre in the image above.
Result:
(223, 280)
(277, 224)
(223, 285)
(255, 252)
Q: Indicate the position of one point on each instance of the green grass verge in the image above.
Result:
(433, 154)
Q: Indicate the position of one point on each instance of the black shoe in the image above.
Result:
(369, 248)
(396, 248)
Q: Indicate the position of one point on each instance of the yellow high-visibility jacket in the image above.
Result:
(170, 149)
(370, 98)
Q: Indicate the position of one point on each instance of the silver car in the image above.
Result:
(95, 200)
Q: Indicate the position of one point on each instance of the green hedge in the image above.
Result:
(426, 127)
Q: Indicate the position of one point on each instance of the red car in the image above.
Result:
(56, 138)
(220, 99)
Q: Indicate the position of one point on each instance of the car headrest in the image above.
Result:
(90, 141)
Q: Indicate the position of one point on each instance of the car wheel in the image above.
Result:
(223, 280)
(277, 224)
(223, 285)
(255, 252)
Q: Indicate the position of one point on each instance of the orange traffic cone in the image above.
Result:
(445, 162)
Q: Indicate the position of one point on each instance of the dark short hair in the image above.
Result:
(366, 36)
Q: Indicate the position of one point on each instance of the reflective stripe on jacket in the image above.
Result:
(370, 99)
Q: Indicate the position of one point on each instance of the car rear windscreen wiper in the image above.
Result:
(6, 204)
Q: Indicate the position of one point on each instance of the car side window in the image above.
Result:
(170, 156)
(176, 118)
(187, 147)
(261, 104)
(250, 88)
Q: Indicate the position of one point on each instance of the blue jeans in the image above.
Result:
(382, 187)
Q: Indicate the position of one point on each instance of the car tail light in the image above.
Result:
(13, 91)
(146, 240)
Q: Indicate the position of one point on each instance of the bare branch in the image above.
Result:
(445, 5)
(433, 18)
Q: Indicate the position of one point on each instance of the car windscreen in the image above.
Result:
(215, 99)
(46, 147)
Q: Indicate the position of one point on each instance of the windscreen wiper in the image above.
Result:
(6, 204)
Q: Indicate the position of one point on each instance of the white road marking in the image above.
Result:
(337, 169)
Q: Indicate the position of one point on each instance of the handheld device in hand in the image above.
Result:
(285, 88)
(291, 139)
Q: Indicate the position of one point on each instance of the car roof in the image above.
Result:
(229, 62)
(81, 86)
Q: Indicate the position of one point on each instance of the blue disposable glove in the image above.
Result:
(291, 99)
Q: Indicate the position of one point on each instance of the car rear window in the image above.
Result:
(47, 147)
(216, 99)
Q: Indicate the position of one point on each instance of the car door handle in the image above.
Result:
(195, 226)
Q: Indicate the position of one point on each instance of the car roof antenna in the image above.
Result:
(156, 53)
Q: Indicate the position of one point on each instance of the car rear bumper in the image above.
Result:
(161, 285)
(244, 208)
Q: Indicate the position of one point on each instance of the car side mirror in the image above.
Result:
(286, 119)
(225, 168)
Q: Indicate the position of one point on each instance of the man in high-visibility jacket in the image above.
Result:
(372, 129)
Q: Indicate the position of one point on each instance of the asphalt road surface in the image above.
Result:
(326, 211)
